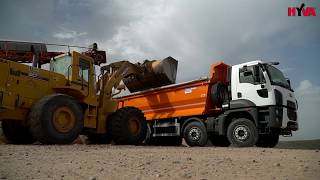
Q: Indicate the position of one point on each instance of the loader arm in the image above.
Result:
(111, 77)
(115, 73)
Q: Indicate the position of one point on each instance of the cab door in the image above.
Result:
(83, 75)
(251, 85)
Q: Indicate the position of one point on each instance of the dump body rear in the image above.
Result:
(179, 100)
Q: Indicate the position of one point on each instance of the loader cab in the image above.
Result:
(78, 70)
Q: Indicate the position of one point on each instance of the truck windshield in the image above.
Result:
(277, 77)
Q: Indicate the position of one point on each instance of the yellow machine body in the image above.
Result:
(21, 86)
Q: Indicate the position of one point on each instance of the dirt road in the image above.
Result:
(141, 162)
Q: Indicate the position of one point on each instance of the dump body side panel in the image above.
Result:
(174, 101)
(180, 100)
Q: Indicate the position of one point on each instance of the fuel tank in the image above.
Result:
(156, 73)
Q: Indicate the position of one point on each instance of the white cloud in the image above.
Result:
(306, 88)
(204, 32)
(308, 96)
(68, 35)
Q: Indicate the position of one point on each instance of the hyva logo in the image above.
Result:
(303, 10)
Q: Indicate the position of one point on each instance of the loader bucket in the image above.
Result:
(155, 74)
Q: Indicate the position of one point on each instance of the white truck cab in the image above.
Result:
(258, 92)
(266, 87)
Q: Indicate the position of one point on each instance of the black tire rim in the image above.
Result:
(241, 132)
(194, 134)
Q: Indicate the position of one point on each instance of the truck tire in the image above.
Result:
(268, 140)
(220, 141)
(219, 94)
(242, 133)
(16, 133)
(195, 134)
(128, 126)
(56, 119)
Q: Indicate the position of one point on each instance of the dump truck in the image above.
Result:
(55, 106)
(244, 105)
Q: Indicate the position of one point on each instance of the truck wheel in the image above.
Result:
(219, 94)
(128, 126)
(56, 119)
(220, 141)
(242, 133)
(195, 134)
(268, 140)
(16, 133)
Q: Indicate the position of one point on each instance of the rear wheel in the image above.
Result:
(242, 133)
(195, 134)
(128, 126)
(56, 119)
(221, 141)
(16, 133)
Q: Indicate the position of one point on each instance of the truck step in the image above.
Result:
(166, 129)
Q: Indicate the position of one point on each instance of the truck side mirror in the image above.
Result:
(289, 82)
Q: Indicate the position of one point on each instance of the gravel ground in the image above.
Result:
(150, 162)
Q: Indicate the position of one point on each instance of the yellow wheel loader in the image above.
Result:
(55, 106)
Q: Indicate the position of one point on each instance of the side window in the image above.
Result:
(246, 75)
(84, 69)
(251, 74)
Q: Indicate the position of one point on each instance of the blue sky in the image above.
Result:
(197, 33)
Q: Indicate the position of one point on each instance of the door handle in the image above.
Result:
(239, 94)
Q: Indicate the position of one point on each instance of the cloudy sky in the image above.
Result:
(196, 32)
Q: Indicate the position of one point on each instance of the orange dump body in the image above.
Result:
(178, 100)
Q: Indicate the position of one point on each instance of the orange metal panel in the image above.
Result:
(186, 99)
(174, 101)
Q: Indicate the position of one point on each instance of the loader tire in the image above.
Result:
(219, 94)
(128, 126)
(56, 119)
(16, 133)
